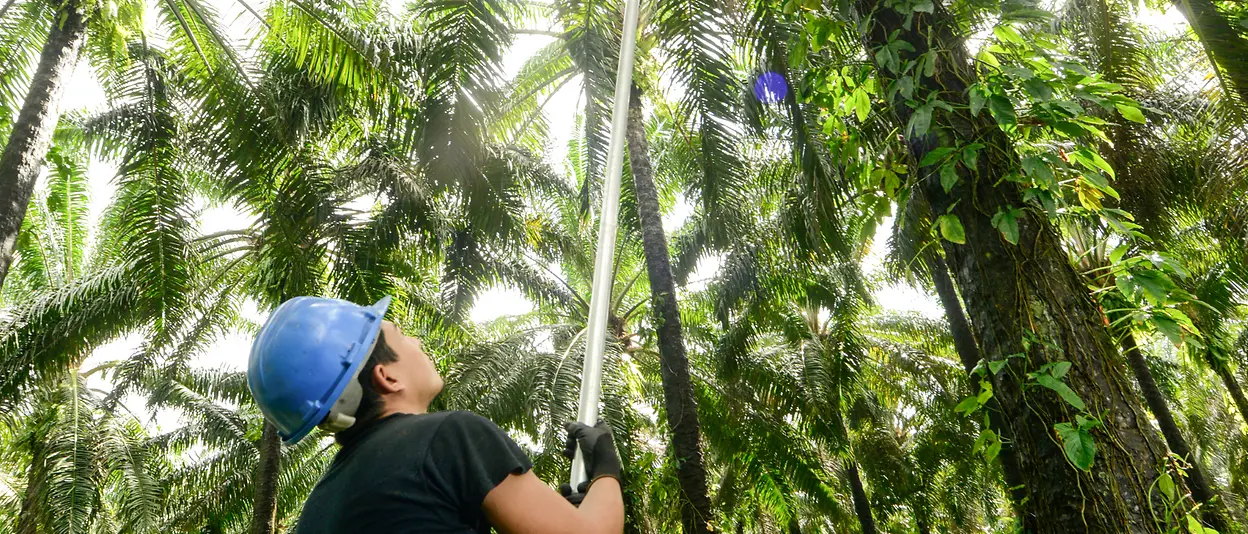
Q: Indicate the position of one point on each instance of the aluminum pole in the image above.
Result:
(600, 297)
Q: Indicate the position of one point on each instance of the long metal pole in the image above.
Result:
(596, 339)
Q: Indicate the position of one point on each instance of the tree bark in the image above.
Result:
(1029, 290)
(1227, 47)
(1196, 481)
(1232, 384)
(678, 397)
(264, 500)
(32, 133)
(36, 475)
(862, 506)
(968, 353)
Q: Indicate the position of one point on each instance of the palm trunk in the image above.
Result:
(1227, 47)
(922, 526)
(1029, 289)
(862, 506)
(1196, 480)
(264, 500)
(678, 398)
(1232, 384)
(968, 352)
(32, 133)
(36, 475)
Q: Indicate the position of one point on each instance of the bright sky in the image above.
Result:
(85, 93)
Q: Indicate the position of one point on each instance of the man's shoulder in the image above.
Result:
(439, 422)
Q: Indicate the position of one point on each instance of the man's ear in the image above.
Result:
(385, 381)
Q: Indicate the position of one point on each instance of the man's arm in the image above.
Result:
(522, 504)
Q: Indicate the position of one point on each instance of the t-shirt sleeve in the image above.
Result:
(472, 455)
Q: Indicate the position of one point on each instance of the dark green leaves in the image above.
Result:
(951, 228)
(1131, 113)
(949, 176)
(979, 96)
(1002, 110)
(1006, 220)
(1067, 394)
(920, 121)
(1078, 444)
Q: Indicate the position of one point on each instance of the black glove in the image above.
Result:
(598, 446)
(565, 489)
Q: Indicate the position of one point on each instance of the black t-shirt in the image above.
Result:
(414, 473)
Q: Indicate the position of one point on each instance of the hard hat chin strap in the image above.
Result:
(342, 415)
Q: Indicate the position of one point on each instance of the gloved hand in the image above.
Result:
(598, 446)
(565, 489)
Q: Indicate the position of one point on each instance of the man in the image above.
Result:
(340, 366)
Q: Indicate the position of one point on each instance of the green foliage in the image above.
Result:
(382, 153)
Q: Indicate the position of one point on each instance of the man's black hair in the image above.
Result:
(370, 402)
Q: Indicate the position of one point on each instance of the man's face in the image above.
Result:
(414, 368)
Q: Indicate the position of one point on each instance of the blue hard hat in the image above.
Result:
(306, 355)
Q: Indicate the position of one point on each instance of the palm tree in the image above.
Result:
(589, 45)
(678, 393)
(31, 135)
(85, 466)
(1227, 45)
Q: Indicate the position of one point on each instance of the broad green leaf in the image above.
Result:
(977, 100)
(997, 365)
(1116, 255)
(951, 229)
(968, 405)
(862, 103)
(935, 155)
(1006, 221)
(1092, 161)
(970, 156)
(925, 6)
(1131, 113)
(1194, 526)
(920, 121)
(1002, 110)
(1062, 390)
(949, 176)
(985, 391)
(1100, 183)
(1071, 107)
(1078, 444)
(1060, 369)
(993, 450)
(1038, 170)
(1007, 33)
(1156, 285)
(1168, 327)
(1038, 89)
(1021, 73)
(929, 63)
(1167, 486)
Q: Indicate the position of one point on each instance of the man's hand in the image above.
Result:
(576, 497)
(598, 447)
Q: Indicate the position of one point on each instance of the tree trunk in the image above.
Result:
(1013, 292)
(678, 398)
(922, 526)
(36, 475)
(968, 352)
(1232, 384)
(862, 506)
(32, 133)
(264, 500)
(1196, 481)
(1227, 47)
